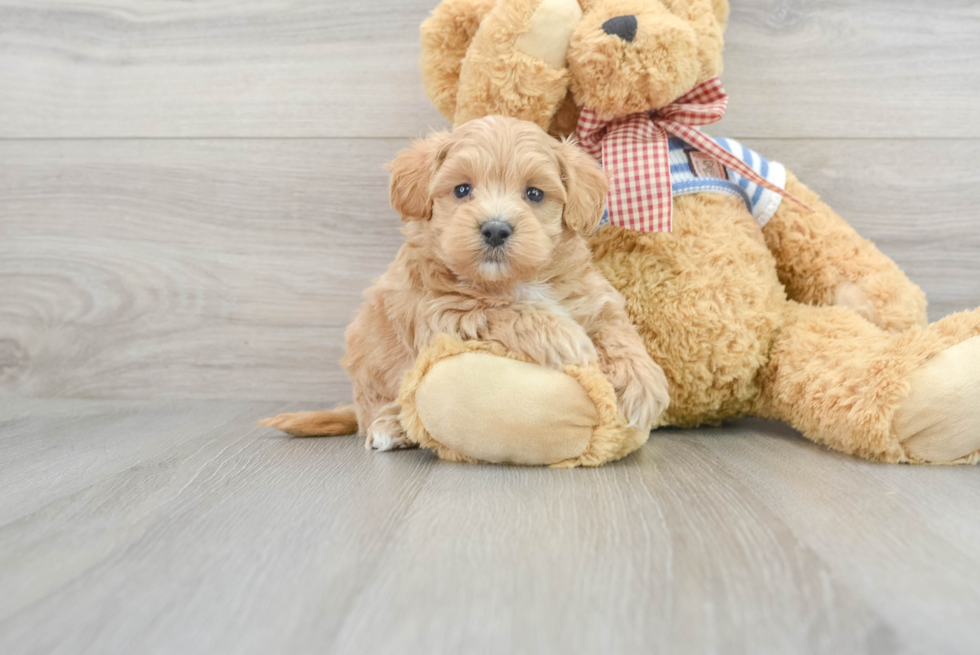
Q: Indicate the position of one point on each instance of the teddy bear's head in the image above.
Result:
(627, 56)
(616, 57)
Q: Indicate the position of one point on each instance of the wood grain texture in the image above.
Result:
(179, 527)
(109, 68)
(222, 268)
(230, 268)
(852, 68)
(215, 68)
(918, 514)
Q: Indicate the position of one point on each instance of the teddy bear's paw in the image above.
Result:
(549, 31)
(939, 421)
(887, 303)
(850, 295)
(644, 397)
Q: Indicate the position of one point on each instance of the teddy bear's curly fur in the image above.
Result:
(801, 320)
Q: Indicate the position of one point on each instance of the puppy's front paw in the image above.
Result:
(553, 344)
(387, 441)
(644, 397)
(386, 433)
(576, 349)
(565, 346)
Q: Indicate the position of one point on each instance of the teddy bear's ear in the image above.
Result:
(446, 36)
(586, 187)
(720, 8)
(411, 173)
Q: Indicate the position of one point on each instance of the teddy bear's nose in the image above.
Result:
(622, 26)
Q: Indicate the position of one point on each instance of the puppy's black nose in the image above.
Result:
(622, 26)
(496, 232)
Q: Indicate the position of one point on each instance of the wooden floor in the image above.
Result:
(180, 527)
(192, 200)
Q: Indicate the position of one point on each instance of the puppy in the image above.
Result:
(496, 214)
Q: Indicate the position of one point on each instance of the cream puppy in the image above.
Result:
(496, 214)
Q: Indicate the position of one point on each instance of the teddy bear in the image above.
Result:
(754, 296)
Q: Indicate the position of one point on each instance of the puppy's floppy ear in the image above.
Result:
(586, 186)
(411, 173)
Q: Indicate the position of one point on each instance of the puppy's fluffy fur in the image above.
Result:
(537, 293)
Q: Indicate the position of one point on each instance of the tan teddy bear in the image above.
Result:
(756, 299)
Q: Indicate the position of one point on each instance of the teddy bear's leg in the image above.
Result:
(821, 260)
(907, 397)
(476, 402)
(515, 64)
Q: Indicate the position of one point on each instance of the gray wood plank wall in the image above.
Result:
(192, 198)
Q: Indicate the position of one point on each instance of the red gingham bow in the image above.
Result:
(634, 150)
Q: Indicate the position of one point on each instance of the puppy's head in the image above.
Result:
(496, 197)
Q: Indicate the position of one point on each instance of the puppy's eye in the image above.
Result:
(534, 195)
(462, 190)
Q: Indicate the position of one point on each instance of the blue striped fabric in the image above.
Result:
(761, 203)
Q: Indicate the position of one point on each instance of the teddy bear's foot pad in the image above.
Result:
(939, 421)
(505, 411)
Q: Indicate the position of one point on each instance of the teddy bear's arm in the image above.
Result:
(446, 35)
(821, 260)
(515, 64)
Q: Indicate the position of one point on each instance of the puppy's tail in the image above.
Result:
(338, 421)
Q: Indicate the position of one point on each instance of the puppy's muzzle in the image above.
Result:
(496, 232)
